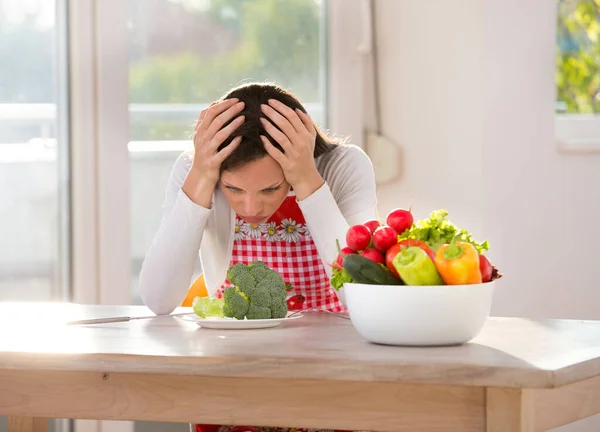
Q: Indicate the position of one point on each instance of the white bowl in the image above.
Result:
(342, 296)
(418, 315)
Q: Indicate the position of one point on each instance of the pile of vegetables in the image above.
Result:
(401, 251)
(258, 292)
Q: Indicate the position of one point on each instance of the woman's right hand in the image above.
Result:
(209, 134)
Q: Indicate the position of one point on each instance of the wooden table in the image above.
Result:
(518, 375)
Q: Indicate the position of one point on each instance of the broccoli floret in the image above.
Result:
(263, 289)
(270, 281)
(258, 264)
(279, 310)
(264, 275)
(235, 303)
(239, 276)
(260, 297)
(258, 312)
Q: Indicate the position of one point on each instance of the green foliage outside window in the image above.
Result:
(578, 56)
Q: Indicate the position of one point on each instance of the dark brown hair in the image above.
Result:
(252, 148)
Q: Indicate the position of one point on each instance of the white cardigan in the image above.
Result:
(347, 198)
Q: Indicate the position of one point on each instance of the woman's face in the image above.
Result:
(256, 189)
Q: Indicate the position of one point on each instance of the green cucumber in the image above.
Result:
(363, 270)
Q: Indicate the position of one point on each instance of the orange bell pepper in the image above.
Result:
(458, 263)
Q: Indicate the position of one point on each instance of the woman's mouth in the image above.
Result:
(255, 220)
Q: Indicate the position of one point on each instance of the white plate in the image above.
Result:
(233, 324)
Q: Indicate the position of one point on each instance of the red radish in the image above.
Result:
(384, 238)
(485, 268)
(372, 224)
(374, 255)
(340, 259)
(400, 220)
(358, 237)
(295, 302)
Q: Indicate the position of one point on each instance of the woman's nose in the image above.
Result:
(252, 206)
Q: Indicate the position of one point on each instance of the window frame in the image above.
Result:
(575, 133)
(100, 159)
(578, 133)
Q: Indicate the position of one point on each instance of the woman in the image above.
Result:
(263, 183)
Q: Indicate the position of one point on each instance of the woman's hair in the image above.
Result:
(252, 148)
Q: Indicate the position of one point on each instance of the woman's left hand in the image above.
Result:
(297, 136)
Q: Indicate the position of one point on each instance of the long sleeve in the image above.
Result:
(348, 197)
(168, 266)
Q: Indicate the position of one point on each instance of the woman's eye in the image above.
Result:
(271, 190)
(233, 189)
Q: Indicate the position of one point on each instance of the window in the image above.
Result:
(140, 73)
(34, 207)
(183, 54)
(33, 166)
(578, 74)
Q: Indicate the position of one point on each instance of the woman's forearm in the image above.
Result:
(169, 263)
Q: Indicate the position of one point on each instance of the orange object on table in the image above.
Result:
(197, 289)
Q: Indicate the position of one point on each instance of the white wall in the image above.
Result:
(547, 200)
(468, 91)
(431, 97)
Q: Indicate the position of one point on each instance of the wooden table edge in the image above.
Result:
(304, 368)
(119, 396)
(539, 410)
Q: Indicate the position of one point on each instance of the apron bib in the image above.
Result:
(284, 244)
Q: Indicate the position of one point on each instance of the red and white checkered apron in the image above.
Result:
(284, 244)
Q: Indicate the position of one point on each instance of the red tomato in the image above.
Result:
(391, 252)
(422, 245)
(389, 257)
(485, 268)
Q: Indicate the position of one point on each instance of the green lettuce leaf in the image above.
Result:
(438, 230)
(339, 277)
(206, 307)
